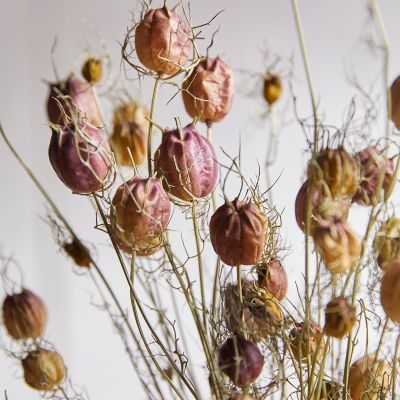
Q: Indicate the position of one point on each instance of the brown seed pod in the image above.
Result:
(163, 41)
(338, 246)
(369, 379)
(24, 315)
(395, 99)
(262, 315)
(129, 132)
(240, 396)
(323, 207)
(307, 340)
(330, 390)
(336, 171)
(390, 290)
(139, 213)
(44, 369)
(208, 90)
(340, 317)
(238, 232)
(272, 88)
(188, 163)
(78, 252)
(273, 278)
(92, 70)
(387, 243)
(72, 96)
(376, 177)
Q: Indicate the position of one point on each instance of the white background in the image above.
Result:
(334, 31)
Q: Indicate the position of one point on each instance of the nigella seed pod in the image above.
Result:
(92, 70)
(71, 97)
(273, 278)
(376, 177)
(369, 378)
(208, 90)
(323, 207)
(330, 390)
(338, 246)
(387, 243)
(238, 233)
(390, 291)
(340, 317)
(188, 163)
(24, 315)
(81, 157)
(336, 171)
(44, 369)
(306, 340)
(240, 396)
(272, 88)
(240, 360)
(129, 132)
(139, 214)
(395, 100)
(163, 41)
(78, 252)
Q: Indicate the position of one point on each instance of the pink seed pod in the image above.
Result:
(323, 207)
(240, 396)
(163, 41)
(24, 315)
(208, 90)
(273, 278)
(240, 360)
(188, 163)
(238, 232)
(81, 157)
(376, 176)
(338, 246)
(72, 96)
(139, 213)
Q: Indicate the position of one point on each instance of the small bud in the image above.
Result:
(24, 315)
(44, 369)
(340, 318)
(240, 360)
(272, 88)
(78, 252)
(387, 243)
(238, 232)
(92, 70)
(390, 291)
(273, 278)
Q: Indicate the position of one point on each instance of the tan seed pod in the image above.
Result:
(390, 291)
(78, 252)
(44, 369)
(92, 70)
(340, 317)
(272, 88)
(387, 242)
(24, 315)
(338, 246)
(273, 278)
(395, 99)
(369, 379)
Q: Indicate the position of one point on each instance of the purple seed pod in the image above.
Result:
(81, 157)
(139, 214)
(72, 96)
(240, 360)
(376, 176)
(188, 163)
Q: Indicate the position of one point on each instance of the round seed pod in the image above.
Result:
(395, 100)
(390, 291)
(272, 88)
(188, 163)
(307, 340)
(81, 157)
(240, 360)
(323, 207)
(208, 91)
(92, 70)
(78, 252)
(376, 177)
(129, 132)
(238, 232)
(142, 249)
(163, 41)
(369, 379)
(337, 245)
(72, 96)
(262, 315)
(340, 317)
(140, 213)
(387, 243)
(44, 369)
(24, 315)
(336, 171)
(273, 278)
